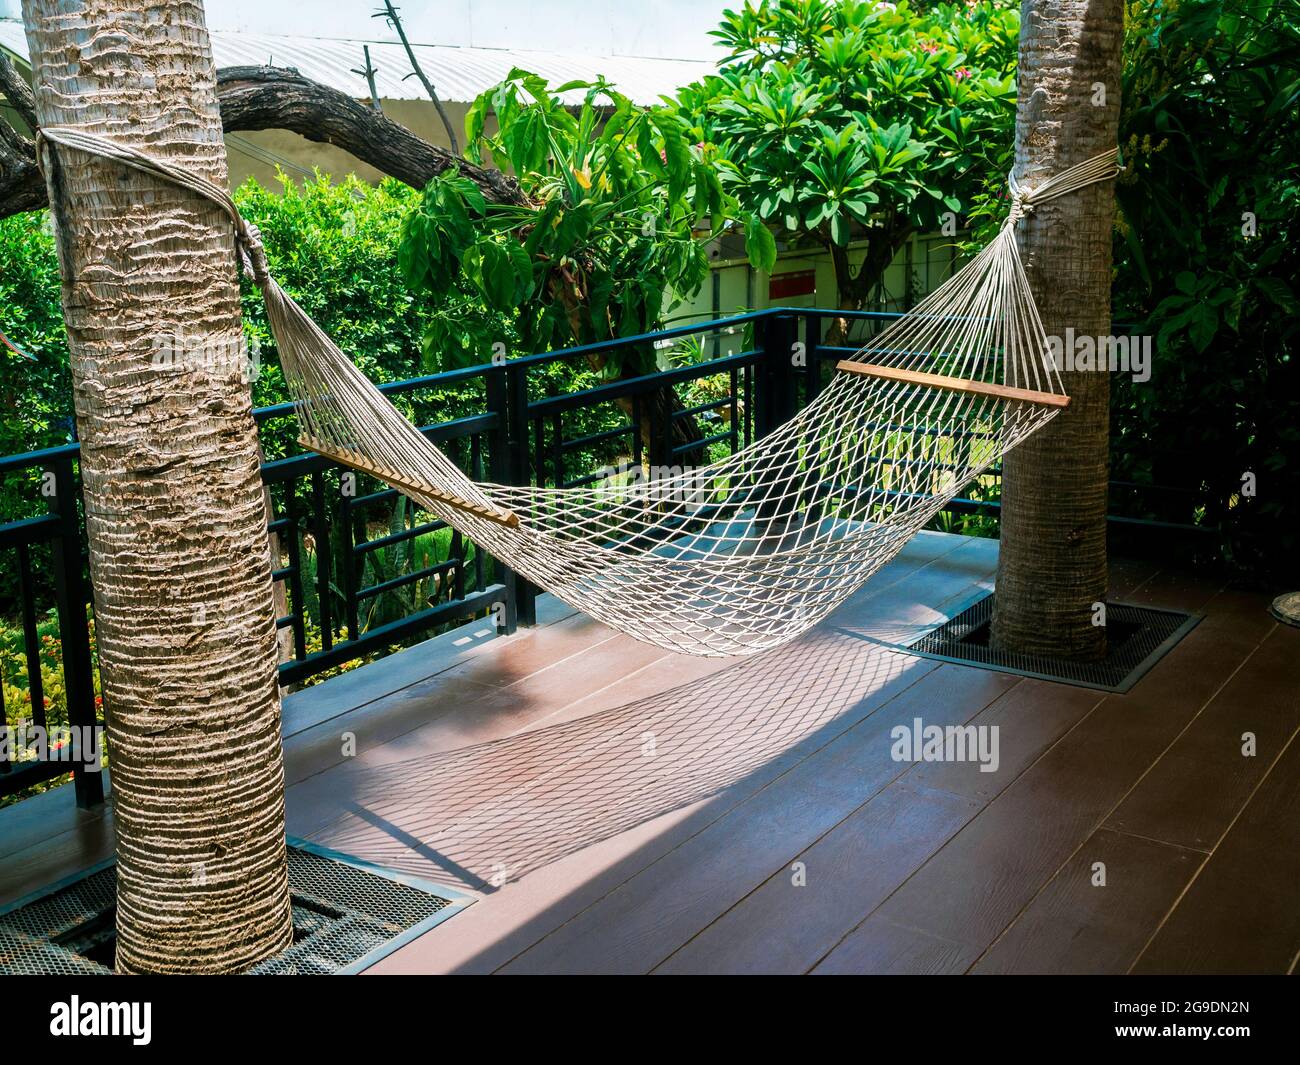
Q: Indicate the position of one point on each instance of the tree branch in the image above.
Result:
(17, 92)
(256, 98)
(368, 72)
(390, 14)
(21, 187)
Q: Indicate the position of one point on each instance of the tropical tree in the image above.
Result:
(1052, 561)
(175, 518)
(610, 233)
(1208, 265)
(839, 122)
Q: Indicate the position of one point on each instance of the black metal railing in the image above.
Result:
(359, 569)
(48, 553)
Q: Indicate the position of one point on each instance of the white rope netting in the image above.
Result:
(748, 552)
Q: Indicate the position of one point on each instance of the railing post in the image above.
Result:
(516, 472)
(812, 360)
(775, 382)
(500, 461)
(324, 560)
(775, 400)
(71, 598)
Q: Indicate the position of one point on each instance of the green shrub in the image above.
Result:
(35, 392)
(333, 247)
(1208, 133)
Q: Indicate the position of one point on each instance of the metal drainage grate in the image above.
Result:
(1138, 638)
(347, 914)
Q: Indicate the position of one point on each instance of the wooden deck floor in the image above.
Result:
(619, 809)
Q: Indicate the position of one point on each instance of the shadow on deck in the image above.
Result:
(620, 809)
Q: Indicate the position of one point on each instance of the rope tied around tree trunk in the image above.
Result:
(1101, 167)
(744, 553)
(249, 240)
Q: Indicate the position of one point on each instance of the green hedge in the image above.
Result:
(1207, 260)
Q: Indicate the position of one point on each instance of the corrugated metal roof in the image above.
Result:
(458, 74)
(12, 36)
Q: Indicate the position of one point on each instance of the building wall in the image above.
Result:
(736, 286)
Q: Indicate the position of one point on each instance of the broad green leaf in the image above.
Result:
(760, 244)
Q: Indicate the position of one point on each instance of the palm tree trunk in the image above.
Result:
(1052, 562)
(175, 515)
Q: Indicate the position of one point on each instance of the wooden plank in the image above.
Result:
(438, 703)
(1078, 925)
(525, 911)
(391, 774)
(1196, 788)
(975, 886)
(341, 694)
(880, 947)
(1240, 913)
(776, 929)
(788, 925)
(637, 926)
(572, 668)
(55, 859)
(525, 802)
(898, 621)
(516, 916)
(1127, 575)
(1029, 719)
(507, 920)
(953, 384)
(398, 480)
(40, 817)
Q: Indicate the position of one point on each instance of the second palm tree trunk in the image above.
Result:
(1052, 560)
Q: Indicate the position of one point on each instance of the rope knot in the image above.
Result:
(1021, 207)
(1022, 204)
(253, 253)
(1101, 167)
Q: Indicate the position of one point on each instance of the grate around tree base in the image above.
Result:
(1138, 638)
(347, 914)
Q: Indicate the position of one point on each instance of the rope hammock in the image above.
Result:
(749, 551)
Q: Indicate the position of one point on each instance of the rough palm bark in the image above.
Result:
(1052, 562)
(175, 515)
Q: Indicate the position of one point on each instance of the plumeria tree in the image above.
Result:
(840, 122)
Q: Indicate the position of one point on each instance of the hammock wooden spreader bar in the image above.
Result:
(953, 384)
(364, 465)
